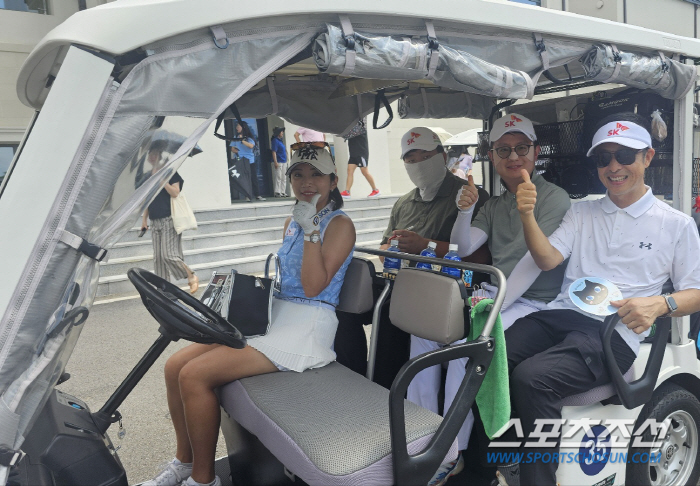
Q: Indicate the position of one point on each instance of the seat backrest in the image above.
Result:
(429, 305)
(357, 294)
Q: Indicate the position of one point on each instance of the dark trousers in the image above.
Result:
(240, 178)
(254, 178)
(554, 354)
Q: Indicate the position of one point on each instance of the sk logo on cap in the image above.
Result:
(619, 127)
(413, 138)
(514, 119)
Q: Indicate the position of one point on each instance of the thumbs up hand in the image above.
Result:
(526, 195)
(467, 196)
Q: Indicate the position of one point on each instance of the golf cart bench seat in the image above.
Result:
(330, 425)
(597, 394)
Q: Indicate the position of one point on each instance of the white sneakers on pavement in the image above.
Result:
(174, 473)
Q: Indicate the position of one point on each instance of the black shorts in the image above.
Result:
(358, 161)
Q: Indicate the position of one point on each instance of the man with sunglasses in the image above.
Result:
(628, 237)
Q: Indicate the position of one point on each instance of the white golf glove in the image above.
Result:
(304, 214)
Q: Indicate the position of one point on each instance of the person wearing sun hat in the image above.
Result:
(629, 238)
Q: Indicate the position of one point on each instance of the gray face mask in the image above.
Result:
(427, 175)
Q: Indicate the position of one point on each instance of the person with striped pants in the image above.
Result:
(167, 243)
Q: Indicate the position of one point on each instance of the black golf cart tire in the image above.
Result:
(668, 399)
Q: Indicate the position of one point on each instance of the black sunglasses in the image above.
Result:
(625, 156)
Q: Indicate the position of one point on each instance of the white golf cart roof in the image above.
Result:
(108, 79)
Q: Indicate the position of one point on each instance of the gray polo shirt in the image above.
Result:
(500, 220)
(430, 219)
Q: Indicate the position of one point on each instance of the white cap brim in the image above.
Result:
(624, 141)
(323, 166)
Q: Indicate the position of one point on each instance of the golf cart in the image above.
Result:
(107, 80)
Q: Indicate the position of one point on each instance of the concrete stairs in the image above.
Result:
(240, 236)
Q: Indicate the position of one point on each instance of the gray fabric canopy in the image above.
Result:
(668, 77)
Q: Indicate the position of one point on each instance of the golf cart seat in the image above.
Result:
(330, 425)
(597, 394)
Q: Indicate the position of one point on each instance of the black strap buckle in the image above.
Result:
(9, 457)
(350, 41)
(433, 43)
(93, 251)
(539, 45)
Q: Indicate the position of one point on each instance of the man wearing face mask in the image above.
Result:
(428, 210)
(426, 213)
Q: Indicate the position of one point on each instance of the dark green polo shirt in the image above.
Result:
(433, 219)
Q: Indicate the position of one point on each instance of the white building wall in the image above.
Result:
(674, 16)
(19, 33)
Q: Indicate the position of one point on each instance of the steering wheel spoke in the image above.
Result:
(182, 315)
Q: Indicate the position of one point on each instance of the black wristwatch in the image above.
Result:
(671, 303)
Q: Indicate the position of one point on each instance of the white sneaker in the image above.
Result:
(192, 482)
(171, 475)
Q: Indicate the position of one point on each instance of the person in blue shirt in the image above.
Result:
(316, 250)
(279, 161)
(244, 148)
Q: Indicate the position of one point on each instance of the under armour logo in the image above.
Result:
(642, 245)
(234, 172)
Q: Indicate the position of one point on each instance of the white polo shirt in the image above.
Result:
(637, 248)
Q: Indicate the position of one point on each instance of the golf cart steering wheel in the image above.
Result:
(180, 314)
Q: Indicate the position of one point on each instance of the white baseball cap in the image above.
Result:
(318, 157)
(621, 132)
(419, 138)
(512, 123)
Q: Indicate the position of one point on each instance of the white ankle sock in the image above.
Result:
(192, 482)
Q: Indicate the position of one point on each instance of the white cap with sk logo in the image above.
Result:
(512, 123)
(625, 133)
(419, 138)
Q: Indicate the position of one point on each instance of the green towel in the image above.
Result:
(493, 398)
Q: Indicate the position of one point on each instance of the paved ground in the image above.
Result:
(115, 337)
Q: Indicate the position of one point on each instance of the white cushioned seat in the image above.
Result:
(329, 426)
(596, 394)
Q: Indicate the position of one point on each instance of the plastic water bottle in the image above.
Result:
(454, 256)
(428, 252)
(392, 265)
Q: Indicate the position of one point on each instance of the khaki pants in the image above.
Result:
(280, 180)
